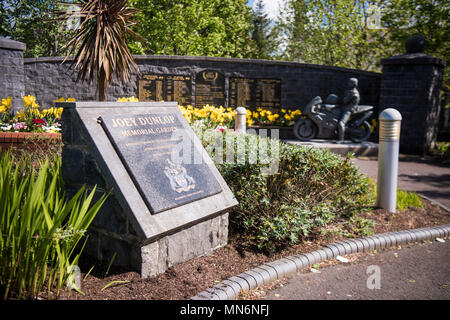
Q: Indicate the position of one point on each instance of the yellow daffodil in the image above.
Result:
(35, 113)
(70, 100)
(29, 100)
(6, 103)
(21, 116)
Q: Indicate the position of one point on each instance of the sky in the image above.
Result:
(270, 5)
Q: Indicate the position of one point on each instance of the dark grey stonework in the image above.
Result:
(12, 71)
(411, 83)
(48, 79)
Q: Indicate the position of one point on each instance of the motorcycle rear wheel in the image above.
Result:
(305, 129)
(361, 133)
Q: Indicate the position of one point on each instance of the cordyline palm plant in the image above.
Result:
(100, 42)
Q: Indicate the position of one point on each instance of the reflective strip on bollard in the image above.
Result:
(389, 130)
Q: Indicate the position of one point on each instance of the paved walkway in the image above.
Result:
(419, 272)
(427, 177)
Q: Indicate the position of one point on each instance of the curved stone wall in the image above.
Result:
(294, 84)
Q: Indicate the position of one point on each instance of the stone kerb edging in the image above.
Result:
(230, 288)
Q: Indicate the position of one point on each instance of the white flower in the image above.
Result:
(51, 129)
(6, 127)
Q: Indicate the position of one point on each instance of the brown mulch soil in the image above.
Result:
(187, 279)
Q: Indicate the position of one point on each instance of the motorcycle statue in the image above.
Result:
(320, 121)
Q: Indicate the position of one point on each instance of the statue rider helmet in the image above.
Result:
(352, 83)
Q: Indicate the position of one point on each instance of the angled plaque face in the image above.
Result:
(165, 165)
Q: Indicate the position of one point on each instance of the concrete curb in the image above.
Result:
(230, 288)
(433, 201)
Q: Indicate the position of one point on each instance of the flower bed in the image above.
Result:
(219, 116)
(32, 118)
(32, 128)
(33, 124)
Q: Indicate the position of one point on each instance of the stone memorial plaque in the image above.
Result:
(209, 88)
(253, 93)
(145, 144)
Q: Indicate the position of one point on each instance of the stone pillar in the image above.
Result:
(12, 71)
(411, 83)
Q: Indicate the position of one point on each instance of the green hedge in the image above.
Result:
(311, 188)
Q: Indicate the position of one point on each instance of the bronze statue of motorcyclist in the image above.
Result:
(349, 106)
(321, 120)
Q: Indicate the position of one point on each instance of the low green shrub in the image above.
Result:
(404, 199)
(442, 150)
(39, 227)
(408, 199)
(310, 188)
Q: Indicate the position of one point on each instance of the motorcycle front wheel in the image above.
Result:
(305, 129)
(360, 133)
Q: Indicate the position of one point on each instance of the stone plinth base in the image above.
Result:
(156, 257)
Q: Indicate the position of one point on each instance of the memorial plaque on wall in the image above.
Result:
(145, 143)
(178, 88)
(209, 88)
(253, 93)
(154, 87)
(243, 92)
(151, 87)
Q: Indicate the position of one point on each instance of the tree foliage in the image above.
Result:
(329, 32)
(404, 18)
(430, 18)
(193, 27)
(263, 34)
(340, 33)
